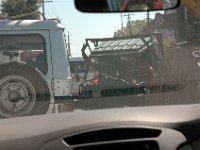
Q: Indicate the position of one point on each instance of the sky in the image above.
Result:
(83, 25)
(86, 25)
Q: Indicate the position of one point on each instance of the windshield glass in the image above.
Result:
(105, 60)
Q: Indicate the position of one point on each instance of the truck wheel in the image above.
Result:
(23, 90)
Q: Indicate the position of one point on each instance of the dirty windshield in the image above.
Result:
(55, 58)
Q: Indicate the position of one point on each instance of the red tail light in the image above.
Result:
(95, 81)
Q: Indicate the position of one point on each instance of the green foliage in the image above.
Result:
(18, 7)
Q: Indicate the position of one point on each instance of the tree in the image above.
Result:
(137, 26)
(18, 7)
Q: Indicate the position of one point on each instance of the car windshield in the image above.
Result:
(54, 58)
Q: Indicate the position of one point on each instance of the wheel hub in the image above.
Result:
(14, 96)
(17, 96)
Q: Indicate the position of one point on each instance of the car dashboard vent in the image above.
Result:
(117, 138)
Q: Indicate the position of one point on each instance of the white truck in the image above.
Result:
(34, 66)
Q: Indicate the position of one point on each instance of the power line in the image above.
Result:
(48, 13)
(52, 8)
(43, 7)
(55, 9)
(76, 44)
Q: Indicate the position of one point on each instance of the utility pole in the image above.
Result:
(43, 7)
(129, 22)
(122, 24)
(148, 21)
(69, 43)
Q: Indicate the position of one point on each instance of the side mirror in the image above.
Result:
(125, 5)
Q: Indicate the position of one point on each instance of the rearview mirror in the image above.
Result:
(125, 5)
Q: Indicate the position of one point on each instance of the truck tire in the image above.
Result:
(23, 90)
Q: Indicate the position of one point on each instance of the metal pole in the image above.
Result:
(43, 10)
(129, 22)
(69, 44)
(148, 19)
(122, 24)
(43, 7)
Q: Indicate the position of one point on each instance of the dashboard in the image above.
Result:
(141, 128)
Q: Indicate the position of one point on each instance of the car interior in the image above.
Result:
(157, 109)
